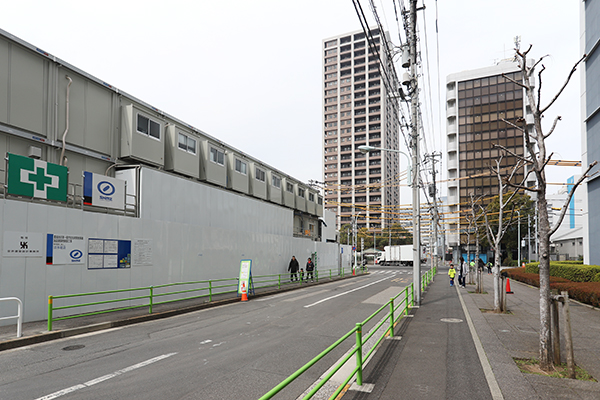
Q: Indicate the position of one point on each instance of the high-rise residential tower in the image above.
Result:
(360, 108)
(478, 104)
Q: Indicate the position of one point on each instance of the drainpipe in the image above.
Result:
(64, 137)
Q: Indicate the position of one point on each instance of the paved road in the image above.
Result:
(235, 351)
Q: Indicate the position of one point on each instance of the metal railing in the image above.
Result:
(400, 309)
(179, 291)
(19, 315)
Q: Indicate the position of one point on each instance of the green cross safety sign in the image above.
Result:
(36, 178)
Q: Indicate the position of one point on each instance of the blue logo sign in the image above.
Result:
(76, 254)
(106, 188)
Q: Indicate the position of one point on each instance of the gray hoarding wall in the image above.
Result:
(191, 232)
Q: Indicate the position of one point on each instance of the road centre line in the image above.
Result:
(71, 389)
(352, 283)
(306, 295)
(349, 291)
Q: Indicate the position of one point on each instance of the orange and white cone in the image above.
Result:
(244, 292)
(508, 291)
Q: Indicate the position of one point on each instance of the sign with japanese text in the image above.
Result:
(245, 271)
(65, 249)
(23, 244)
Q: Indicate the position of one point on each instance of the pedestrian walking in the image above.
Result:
(489, 267)
(310, 267)
(451, 274)
(463, 272)
(293, 268)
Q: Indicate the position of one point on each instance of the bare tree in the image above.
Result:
(473, 218)
(495, 235)
(538, 158)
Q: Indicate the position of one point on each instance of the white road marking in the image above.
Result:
(349, 291)
(71, 389)
(278, 295)
(485, 363)
(306, 295)
(206, 341)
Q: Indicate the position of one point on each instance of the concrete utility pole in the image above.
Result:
(435, 218)
(414, 144)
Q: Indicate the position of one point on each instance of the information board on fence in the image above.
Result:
(109, 253)
(141, 252)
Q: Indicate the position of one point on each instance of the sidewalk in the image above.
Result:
(436, 359)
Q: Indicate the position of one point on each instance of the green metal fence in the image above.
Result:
(151, 296)
(397, 310)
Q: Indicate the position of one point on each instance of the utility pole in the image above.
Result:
(433, 193)
(414, 144)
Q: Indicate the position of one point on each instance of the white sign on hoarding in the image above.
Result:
(65, 249)
(103, 191)
(23, 244)
(141, 252)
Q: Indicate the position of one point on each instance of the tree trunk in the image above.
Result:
(544, 242)
(497, 280)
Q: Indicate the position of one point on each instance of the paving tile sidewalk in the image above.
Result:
(432, 356)
(423, 364)
(516, 334)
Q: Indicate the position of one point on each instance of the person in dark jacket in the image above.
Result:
(310, 267)
(293, 268)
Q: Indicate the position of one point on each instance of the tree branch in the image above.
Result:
(564, 84)
(571, 193)
(539, 99)
(512, 153)
(513, 81)
(558, 118)
(513, 125)
(522, 187)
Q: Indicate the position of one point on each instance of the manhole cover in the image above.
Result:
(452, 320)
(74, 347)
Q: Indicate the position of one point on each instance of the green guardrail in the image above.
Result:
(207, 289)
(400, 309)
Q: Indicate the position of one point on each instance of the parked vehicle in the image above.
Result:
(397, 255)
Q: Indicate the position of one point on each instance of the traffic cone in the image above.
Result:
(523, 264)
(244, 293)
(508, 291)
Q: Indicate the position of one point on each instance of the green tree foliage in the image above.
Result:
(399, 235)
(522, 203)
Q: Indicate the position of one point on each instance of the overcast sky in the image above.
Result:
(250, 72)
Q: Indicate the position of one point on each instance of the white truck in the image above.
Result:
(396, 255)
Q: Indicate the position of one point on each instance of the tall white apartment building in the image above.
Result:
(359, 108)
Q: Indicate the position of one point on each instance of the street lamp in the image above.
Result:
(416, 222)
(367, 149)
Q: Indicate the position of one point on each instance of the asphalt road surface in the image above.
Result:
(236, 351)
